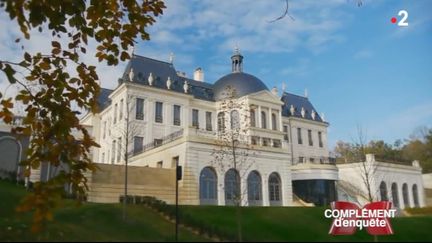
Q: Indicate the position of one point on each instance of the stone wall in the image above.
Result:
(107, 184)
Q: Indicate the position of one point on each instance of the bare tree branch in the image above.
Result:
(286, 13)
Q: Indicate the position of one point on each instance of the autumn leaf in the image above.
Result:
(49, 117)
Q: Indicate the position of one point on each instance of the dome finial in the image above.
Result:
(237, 61)
(171, 58)
(236, 49)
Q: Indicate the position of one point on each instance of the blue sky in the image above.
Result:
(358, 67)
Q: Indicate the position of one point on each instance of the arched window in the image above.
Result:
(263, 120)
(275, 187)
(395, 195)
(254, 189)
(10, 150)
(274, 124)
(235, 120)
(252, 118)
(415, 196)
(208, 186)
(221, 122)
(405, 195)
(383, 191)
(232, 187)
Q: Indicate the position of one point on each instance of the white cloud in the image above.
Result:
(402, 122)
(247, 23)
(190, 25)
(41, 42)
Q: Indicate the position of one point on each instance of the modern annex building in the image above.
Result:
(176, 119)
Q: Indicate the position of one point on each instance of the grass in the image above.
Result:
(103, 222)
(89, 222)
(299, 224)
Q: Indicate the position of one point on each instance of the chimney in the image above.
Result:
(198, 75)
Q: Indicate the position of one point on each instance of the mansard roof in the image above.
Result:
(143, 66)
(103, 100)
(298, 102)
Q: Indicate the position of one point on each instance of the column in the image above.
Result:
(400, 196)
(221, 189)
(265, 195)
(287, 188)
(258, 121)
(410, 195)
(243, 190)
(269, 119)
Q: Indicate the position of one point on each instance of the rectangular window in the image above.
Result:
(158, 112)
(103, 158)
(320, 139)
(301, 159)
(139, 109)
(274, 122)
(310, 137)
(104, 130)
(209, 126)
(159, 164)
(263, 120)
(138, 144)
(252, 118)
(115, 113)
(195, 122)
(175, 162)
(299, 136)
(285, 129)
(113, 151)
(221, 121)
(176, 114)
(157, 142)
(121, 110)
(109, 126)
(119, 153)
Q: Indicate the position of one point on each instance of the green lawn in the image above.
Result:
(103, 222)
(89, 222)
(300, 224)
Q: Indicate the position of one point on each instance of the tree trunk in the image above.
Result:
(239, 224)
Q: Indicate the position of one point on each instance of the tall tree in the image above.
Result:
(50, 115)
(419, 147)
(126, 133)
(232, 154)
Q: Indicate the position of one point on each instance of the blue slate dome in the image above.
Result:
(243, 83)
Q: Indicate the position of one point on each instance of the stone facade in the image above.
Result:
(400, 184)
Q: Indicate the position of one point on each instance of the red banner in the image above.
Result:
(373, 216)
